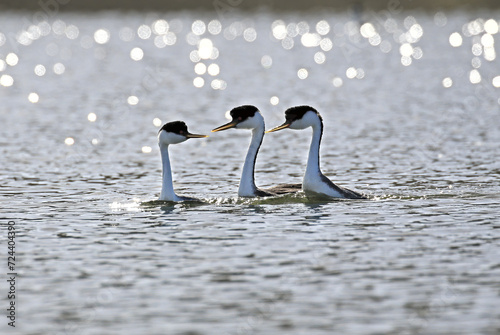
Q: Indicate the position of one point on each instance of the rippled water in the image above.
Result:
(409, 119)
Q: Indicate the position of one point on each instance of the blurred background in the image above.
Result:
(409, 92)
(243, 4)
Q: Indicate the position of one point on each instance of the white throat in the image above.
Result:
(247, 182)
(167, 186)
(312, 176)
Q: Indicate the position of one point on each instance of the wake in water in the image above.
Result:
(292, 198)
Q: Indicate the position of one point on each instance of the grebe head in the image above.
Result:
(243, 117)
(299, 117)
(175, 132)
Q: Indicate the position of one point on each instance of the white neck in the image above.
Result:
(313, 172)
(167, 187)
(247, 182)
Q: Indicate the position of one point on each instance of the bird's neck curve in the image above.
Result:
(247, 186)
(167, 186)
(313, 170)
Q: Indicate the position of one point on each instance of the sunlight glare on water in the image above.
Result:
(410, 107)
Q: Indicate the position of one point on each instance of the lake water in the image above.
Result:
(412, 118)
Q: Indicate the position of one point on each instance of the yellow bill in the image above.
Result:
(231, 124)
(283, 126)
(189, 135)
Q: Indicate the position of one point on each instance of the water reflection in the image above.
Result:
(101, 36)
(132, 100)
(379, 129)
(33, 98)
(11, 59)
(40, 70)
(329, 38)
(6, 80)
(214, 27)
(69, 141)
(92, 117)
(136, 54)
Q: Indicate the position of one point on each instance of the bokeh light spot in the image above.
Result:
(490, 54)
(360, 73)
(33, 98)
(12, 59)
(416, 31)
(367, 30)
(310, 40)
(194, 56)
(302, 73)
(322, 27)
(6, 80)
(476, 62)
(406, 60)
(455, 39)
(214, 27)
(279, 29)
(59, 68)
(144, 32)
(132, 100)
(205, 48)
(198, 82)
(417, 53)
(160, 27)
(491, 27)
(337, 82)
(287, 43)
(326, 44)
(250, 34)
(40, 70)
(198, 27)
(102, 36)
(440, 19)
(136, 54)
(58, 27)
(72, 32)
(351, 72)
(487, 40)
(496, 81)
(477, 49)
(319, 57)
(447, 82)
(216, 84)
(302, 27)
(200, 68)
(475, 77)
(213, 69)
(406, 50)
(375, 40)
(170, 38)
(266, 61)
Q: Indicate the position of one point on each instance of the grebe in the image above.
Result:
(249, 117)
(314, 182)
(172, 133)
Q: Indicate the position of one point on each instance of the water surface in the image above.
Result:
(409, 119)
